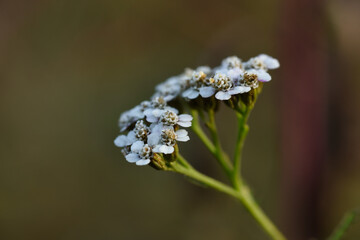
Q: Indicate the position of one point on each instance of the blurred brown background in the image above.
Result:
(69, 68)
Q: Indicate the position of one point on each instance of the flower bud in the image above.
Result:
(158, 162)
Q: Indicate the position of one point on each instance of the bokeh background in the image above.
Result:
(69, 68)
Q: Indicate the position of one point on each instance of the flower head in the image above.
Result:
(226, 87)
(170, 118)
(153, 126)
(140, 154)
(158, 107)
(169, 89)
(164, 138)
(262, 61)
(232, 62)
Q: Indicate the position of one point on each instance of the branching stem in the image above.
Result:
(238, 189)
(243, 195)
(243, 129)
(214, 148)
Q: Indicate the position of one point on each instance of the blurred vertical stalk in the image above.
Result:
(343, 226)
(304, 113)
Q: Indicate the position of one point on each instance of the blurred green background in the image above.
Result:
(69, 68)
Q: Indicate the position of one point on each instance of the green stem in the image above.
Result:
(242, 133)
(205, 180)
(343, 226)
(183, 162)
(215, 150)
(254, 209)
(243, 195)
(220, 155)
(200, 133)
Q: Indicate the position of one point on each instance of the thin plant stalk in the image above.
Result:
(243, 130)
(214, 148)
(343, 226)
(243, 195)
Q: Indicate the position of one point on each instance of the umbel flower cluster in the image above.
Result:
(154, 127)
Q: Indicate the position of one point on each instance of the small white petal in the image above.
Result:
(168, 98)
(246, 89)
(157, 112)
(263, 76)
(206, 92)
(131, 137)
(138, 115)
(222, 71)
(186, 93)
(191, 93)
(166, 149)
(156, 127)
(235, 73)
(156, 149)
(185, 118)
(205, 69)
(137, 146)
(143, 162)
(194, 94)
(155, 135)
(151, 118)
(184, 124)
(164, 127)
(171, 109)
(239, 89)
(181, 133)
(121, 141)
(154, 138)
(183, 139)
(270, 62)
(132, 157)
(235, 90)
(148, 111)
(223, 95)
(123, 128)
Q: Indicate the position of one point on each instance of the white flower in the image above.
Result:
(206, 69)
(169, 89)
(132, 115)
(232, 77)
(158, 107)
(270, 62)
(207, 91)
(164, 138)
(226, 88)
(140, 154)
(235, 75)
(261, 74)
(194, 92)
(262, 61)
(197, 84)
(170, 118)
(125, 140)
(140, 132)
(198, 77)
(191, 93)
(184, 79)
(231, 62)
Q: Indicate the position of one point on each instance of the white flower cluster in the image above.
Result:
(230, 78)
(155, 130)
(154, 126)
